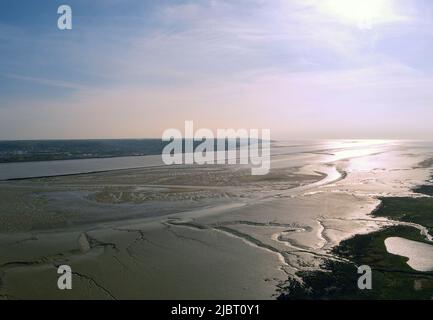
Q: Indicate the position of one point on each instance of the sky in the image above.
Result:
(306, 69)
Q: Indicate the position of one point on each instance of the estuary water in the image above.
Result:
(297, 149)
(420, 254)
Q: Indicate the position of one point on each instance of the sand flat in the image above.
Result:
(194, 232)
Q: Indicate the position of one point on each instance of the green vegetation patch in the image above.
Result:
(416, 210)
(392, 277)
(427, 190)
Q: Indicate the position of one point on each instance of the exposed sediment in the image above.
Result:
(154, 233)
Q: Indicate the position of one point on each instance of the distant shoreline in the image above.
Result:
(24, 151)
(80, 158)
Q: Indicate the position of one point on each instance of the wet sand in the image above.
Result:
(195, 232)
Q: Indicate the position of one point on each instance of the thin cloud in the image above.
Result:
(47, 82)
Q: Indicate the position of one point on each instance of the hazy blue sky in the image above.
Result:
(132, 68)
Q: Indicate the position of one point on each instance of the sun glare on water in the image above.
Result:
(363, 13)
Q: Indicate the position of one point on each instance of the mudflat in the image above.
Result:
(199, 232)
